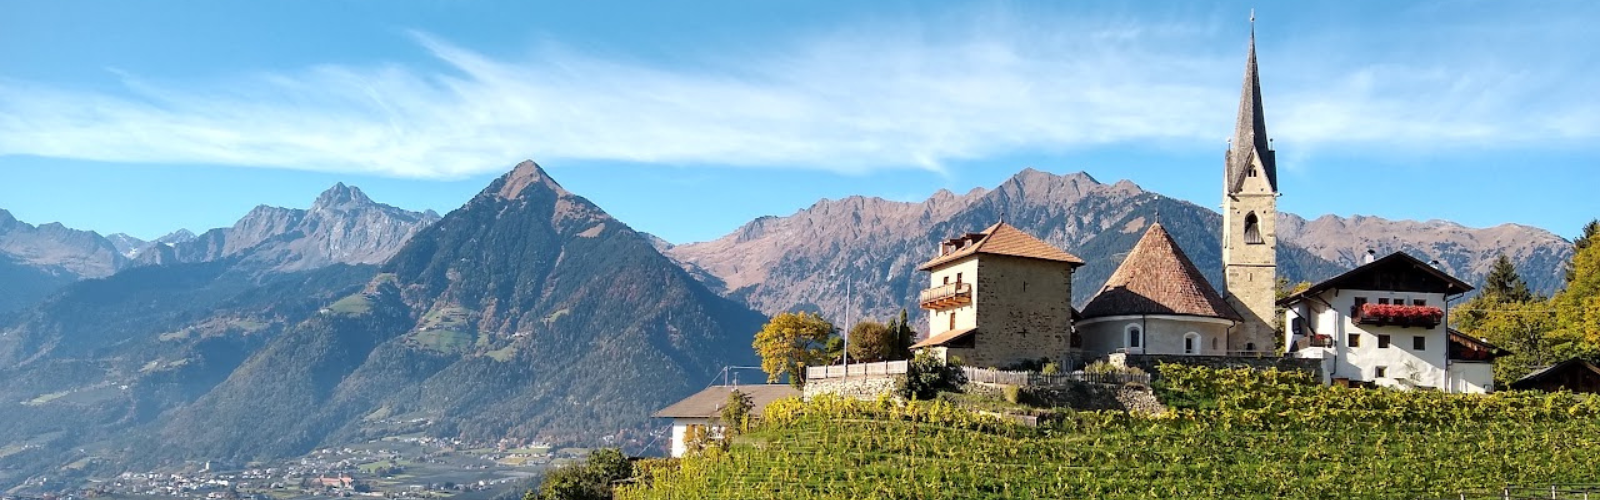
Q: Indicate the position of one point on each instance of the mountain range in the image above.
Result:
(528, 313)
(802, 261)
(343, 226)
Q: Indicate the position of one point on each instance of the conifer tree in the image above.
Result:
(1583, 241)
(1504, 284)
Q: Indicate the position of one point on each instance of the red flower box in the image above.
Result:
(1386, 314)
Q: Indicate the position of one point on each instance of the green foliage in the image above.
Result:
(1272, 435)
(871, 341)
(588, 480)
(790, 342)
(735, 412)
(1504, 284)
(1578, 307)
(926, 375)
(1591, 234)
(1013, 394)
(1106, 368)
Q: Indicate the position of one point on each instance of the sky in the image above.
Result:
(688, 119)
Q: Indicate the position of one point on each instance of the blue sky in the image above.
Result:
(686, 119)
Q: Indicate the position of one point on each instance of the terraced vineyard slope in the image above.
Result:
(1234, 434)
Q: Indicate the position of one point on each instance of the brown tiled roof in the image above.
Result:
(1004, 239)
(1157, 278)
(943, 338)
(708, 403)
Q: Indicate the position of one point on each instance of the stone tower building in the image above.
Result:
(999, 297)
(1249, 214)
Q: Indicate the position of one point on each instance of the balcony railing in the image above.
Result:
(1397, 315)
(947, 296)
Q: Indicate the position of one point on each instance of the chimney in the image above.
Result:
(1372, 255)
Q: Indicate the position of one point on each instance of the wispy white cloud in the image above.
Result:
(847, 101)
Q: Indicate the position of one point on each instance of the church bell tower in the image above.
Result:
(1249, 214)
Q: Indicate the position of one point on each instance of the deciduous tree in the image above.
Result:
(790, 342)
(871, 341)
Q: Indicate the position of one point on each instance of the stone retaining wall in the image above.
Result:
(863, 388)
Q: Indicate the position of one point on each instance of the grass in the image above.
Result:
(354, 305)
(448, 341)
(503, 354)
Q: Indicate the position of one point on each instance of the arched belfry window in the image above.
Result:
(1252, 229)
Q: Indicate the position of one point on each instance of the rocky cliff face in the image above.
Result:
(38, 260)
(343, 226)
(84, 254)
(802, 261)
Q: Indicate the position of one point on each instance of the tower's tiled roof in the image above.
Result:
(1157, 278)
(1003, 239)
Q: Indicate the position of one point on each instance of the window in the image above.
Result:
(952, 320)
(1381, 301)
(1250, 346)
(1354, 340)
(1252, 229)
(1380, 372)
(1135, 336)
(1252, 173)
(1213, 343)
(946, 280)
(1419, 343)
(1419, 302)
(1383, 341)
(958, 277)
(1191, 343)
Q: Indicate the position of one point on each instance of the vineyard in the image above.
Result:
(1234, 434)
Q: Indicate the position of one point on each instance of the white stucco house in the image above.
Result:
(704, 408)
(1384, 324)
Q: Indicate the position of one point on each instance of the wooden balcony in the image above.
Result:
(947, 296)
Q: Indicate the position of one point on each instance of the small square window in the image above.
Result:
(1383, 301)
(1383, 341)
(1419, 343)
(1419, 302)
(1380, 372)
(1354, 340)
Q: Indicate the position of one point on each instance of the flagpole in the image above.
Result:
(847, 311)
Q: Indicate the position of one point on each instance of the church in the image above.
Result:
(1001, 297)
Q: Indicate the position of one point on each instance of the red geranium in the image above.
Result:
(1402, 314)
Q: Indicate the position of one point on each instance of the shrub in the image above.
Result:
(1013, 394)
(926, 376)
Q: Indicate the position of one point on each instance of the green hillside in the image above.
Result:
(1233, 434)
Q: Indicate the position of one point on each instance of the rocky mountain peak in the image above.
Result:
(6, 220)
(340, 196)
(526, 174)
(175, 237)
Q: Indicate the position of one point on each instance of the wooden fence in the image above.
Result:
(1020, 378)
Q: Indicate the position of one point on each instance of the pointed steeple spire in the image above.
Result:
(1250, 140)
